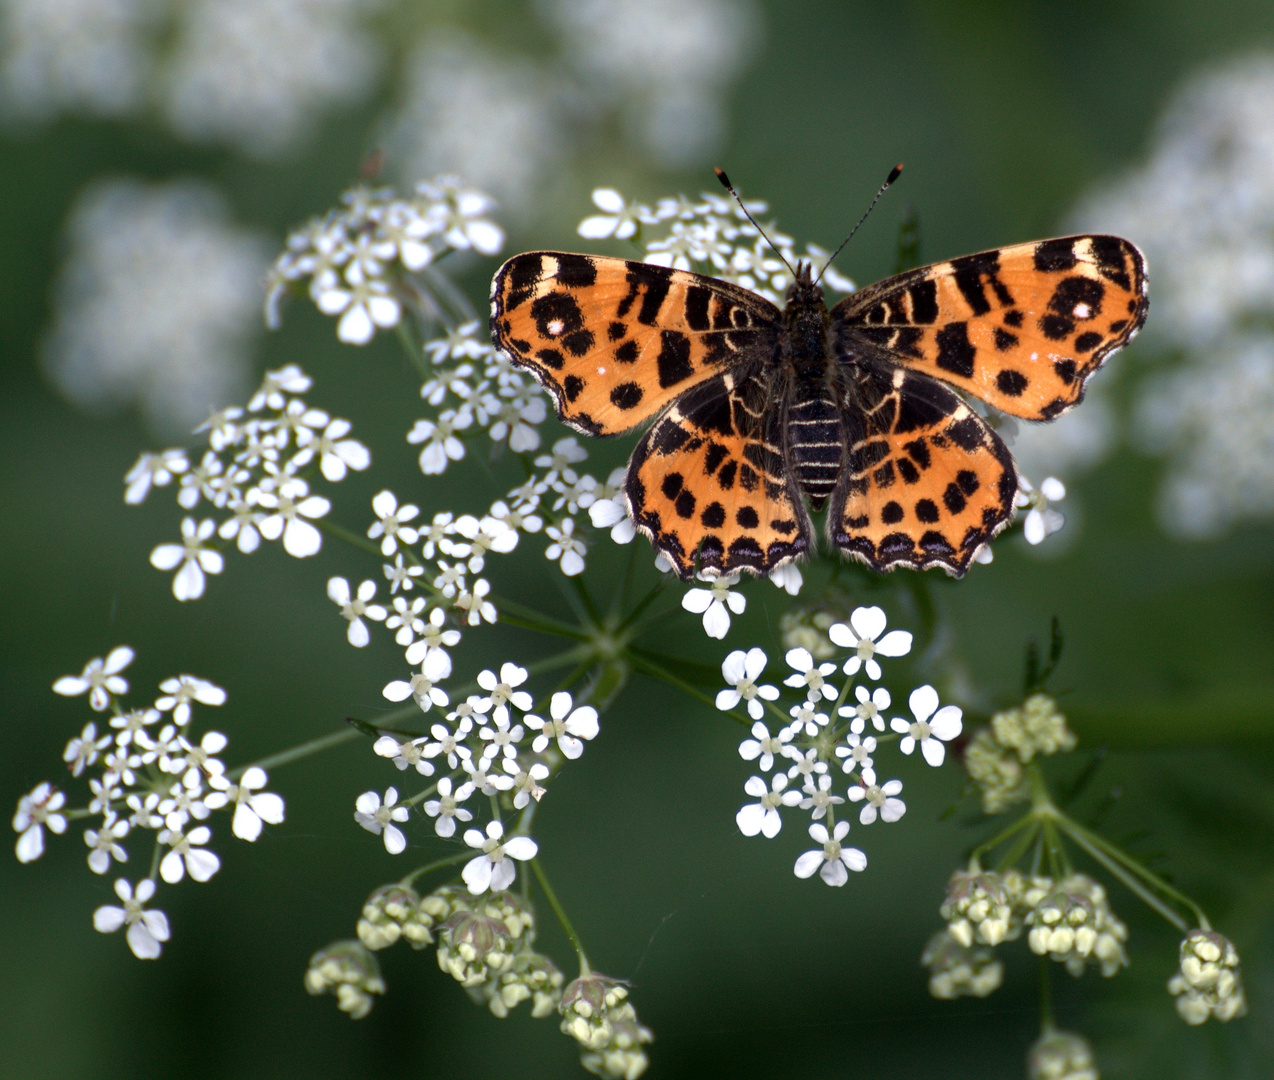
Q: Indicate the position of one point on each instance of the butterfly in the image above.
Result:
(762, 414)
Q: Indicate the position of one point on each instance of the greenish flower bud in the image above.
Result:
(473, 947)
(1073, 923)
(348, 970)
(958, 971)
(1061, 1055)
(385, 913)
(1208, 982)
(997, 772)
(977, 907)
(1035, 728)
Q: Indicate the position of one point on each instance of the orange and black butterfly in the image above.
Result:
(760, 411)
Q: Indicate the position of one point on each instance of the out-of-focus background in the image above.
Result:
(153, 154)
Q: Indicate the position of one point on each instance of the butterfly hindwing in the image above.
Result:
(926, 483)
(616, 341)
(1022, 327)
(708, 483)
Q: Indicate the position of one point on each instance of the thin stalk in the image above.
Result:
(584, 967)
(437, 864)
(296, 753)
(654, 671)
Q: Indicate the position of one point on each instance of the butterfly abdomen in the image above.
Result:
(815, 442)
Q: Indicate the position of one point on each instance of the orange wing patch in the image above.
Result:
(708, 483)
(1023, 327)
(615, 341)
(927, 481)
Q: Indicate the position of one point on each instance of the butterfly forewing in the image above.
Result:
(616, 341)
(708, 483)
(926, 481)
(1023, 327)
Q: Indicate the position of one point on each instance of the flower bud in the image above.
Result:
(977, 907)
(956, 970)
(1061, 1055)
(1073, 923)
(597, 1014)
(1208, 982)
(385, 913)
(348, 970)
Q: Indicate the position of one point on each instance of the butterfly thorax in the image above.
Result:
(811, 425)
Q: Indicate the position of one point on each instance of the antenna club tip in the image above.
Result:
(725, 180)
(894, 173)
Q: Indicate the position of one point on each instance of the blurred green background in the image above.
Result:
(1007, 115)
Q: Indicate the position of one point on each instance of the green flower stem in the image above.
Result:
(585, 598)
(296, 753)
(584, 967)
(412, 348)
(652, 670)
(371, 547)
(438, 864)
(526, 618)
(1000, 837)
(445, 287)
(1127, 871)
(1046, 997)
(1021, 845)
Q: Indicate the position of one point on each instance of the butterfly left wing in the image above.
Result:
(615, 341)
(926, 482)
(708, 484)
(1022, 327)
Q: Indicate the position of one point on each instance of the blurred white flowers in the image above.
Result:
(1202, 206)
(158, 302)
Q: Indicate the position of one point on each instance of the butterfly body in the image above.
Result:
(759, 411)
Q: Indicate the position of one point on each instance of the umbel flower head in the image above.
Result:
(1208, 983)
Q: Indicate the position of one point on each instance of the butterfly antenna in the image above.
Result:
(725, 183)
(894, 173)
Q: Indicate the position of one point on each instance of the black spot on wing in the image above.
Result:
(674, 358)
(926, 511)
(576, 271)
(1087, 342)
(1052, 256)
(924, 302)
(649, 282)
(713, 515)
(955, 351)
(697, 300)
(523, 274)
(1004, 340)
(616, 331)
(551, 358)
(627, 352)
(1109, 253)
(627, 395)
(573, 385)
(747, 517)
(1011, 382)
(557, 316)
(966, 433)
(969, 272)
(892, 513)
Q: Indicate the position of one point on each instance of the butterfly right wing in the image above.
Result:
(616, 341)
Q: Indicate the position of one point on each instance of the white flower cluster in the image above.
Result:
(491, 745)
(355, 259)
(257, 468)
(149, 774)
(249, 72)
(812, 742)
(156, 302)
(1202, 206)
(712, 236)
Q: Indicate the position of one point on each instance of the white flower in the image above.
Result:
(945, 725)
(483, 780)
(289, 506)
(146, 929)
(613, 514)
(764, 746)
(567, 549)
(501, 690)
(193, 558)
(401, 576)
(808, 763)
(451, 745)
(82, 751)
(187, 854)
(180, 691)
(812, 679)
(525, 780)
(252, 806)
(881, 798)
(366, 305)
(713, 601)
(434, 641)
(833, 858)
(336, 455)
(868, 708)
(493, 869)
(458, 212)
(390, 522)
(1041, 520)
(740, 670)
(441, 444)
(447, 809)
(857, 752)
(763, 817)
(566, 724)
(406, 620)
(863, 634)
(354, 608)
(407, 754)
(35, 810)
(818, 795)
(379, 819)
(475, 604)
(788, 577)
(100, 678)
(435, 666)
(618, 218)
(805, 718)
(104, 843)
(501, 738)
(158, 469)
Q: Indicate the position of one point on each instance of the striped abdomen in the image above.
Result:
(815, 442)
